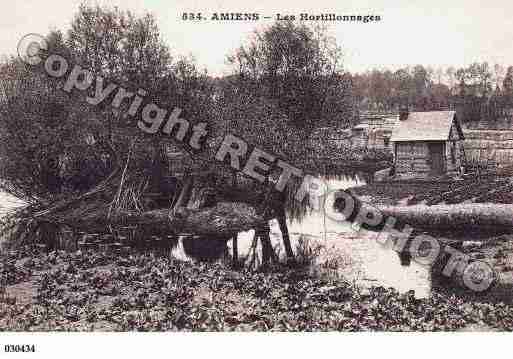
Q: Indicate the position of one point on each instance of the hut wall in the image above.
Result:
(454, 157)
(412, 159)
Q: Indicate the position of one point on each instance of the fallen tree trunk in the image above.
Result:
(454, 217)
(222, 221)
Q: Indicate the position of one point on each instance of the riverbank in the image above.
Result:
(387, 193)
(93, 290)
(471, 189)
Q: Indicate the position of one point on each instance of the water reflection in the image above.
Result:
(359, 256)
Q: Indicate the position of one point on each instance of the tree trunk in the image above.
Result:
(159, 168)
(50, 177)
(235, 249)
(267, 248)
(48, 234)
(234, 179)
(451, 218)
(185, 193)
(221, 222)
(282, 221)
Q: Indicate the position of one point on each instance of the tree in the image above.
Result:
(129, 51)
(43, 134)
(507, 84)
(404, 88)
(119, 47)
(298, 68)
(422, 84)
(287, 81)
(378, 87)
(498, 71)
(481, 78)
(462, 76)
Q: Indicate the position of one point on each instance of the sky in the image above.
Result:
(432, 33)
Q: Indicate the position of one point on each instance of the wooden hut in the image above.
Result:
(427, 144)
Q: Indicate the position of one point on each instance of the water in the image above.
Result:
(8, 202)
(358, 256)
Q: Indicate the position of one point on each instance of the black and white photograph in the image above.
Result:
(275, 166)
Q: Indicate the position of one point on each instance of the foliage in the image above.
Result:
(478, 91)
(85, 291)
(386, 90)
(299, 70)
(118, 45)
(44, 136)
(53, 142)
(307, 252)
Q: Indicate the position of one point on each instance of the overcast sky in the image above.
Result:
(434, 32)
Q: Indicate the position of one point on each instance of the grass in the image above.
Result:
(307, 252)
(395, 193)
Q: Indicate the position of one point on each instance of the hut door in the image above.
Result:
(436, 154)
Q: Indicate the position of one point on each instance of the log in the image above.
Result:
(222, 221)
(454, 217)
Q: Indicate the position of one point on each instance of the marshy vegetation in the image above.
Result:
(96, 290)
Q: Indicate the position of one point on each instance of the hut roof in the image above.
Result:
(426, 126)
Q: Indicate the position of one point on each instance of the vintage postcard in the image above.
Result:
(279, 166)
